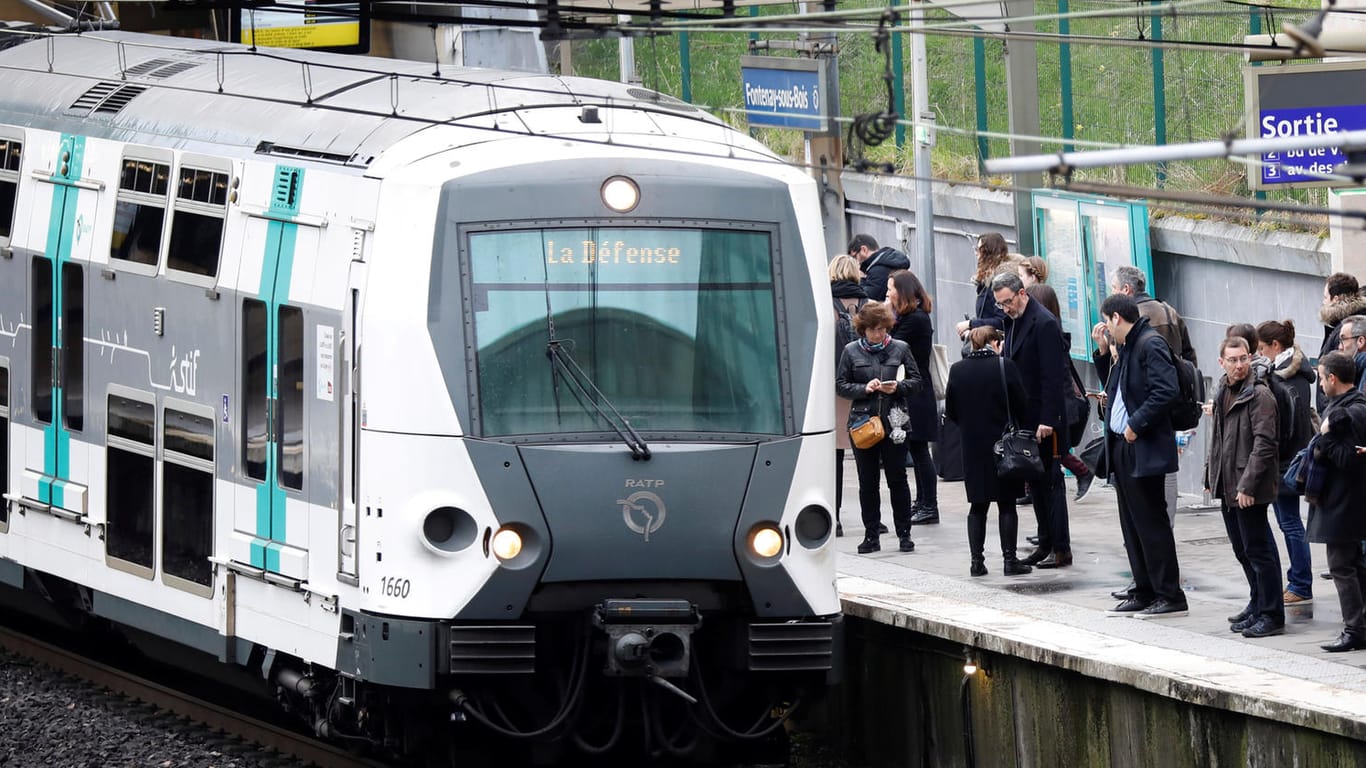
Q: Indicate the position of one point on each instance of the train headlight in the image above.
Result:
(507, 544)
(766, 541)
(620, 194)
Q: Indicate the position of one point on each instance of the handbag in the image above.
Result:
(939, 370)
(1017, 452)
(1076, 408)
(867, 432)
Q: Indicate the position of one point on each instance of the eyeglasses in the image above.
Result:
(1347, 338)
(1238, 360)
(1007, 302)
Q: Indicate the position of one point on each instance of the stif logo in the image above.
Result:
(643, 512)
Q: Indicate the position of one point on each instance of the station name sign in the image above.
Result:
(1303, 100)
(783, 92)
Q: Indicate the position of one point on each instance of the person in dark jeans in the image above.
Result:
(907, 298)
(867, 377)
(1241, 472)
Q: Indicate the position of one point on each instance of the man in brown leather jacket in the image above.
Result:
(1242, 470)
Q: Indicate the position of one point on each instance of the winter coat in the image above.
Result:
(1168, 324)
(1332, 315)
(852, 296)
(1299, 375)
(1339, 514)
(1242, 444)
(1144, 372)
(976, 401)
(917, 330)
(878, 267)
(1034, 342)
(859, 366)
(987, 311)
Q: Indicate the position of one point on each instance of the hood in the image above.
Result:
(890, 258)
(1297, 365)
(846, 289)
(1332, 314)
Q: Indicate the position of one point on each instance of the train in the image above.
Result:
(470, 407)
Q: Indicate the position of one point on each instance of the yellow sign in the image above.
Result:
(609, 252)
(304, 25)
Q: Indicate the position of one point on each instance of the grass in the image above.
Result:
(1112, 89)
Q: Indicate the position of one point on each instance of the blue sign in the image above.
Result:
(785, 93)
(1301, 165)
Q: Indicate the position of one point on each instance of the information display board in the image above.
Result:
(1083, 238)
(311, 24)
(784, 93)
(1299, 100)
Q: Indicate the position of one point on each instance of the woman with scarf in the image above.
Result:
(867, 376)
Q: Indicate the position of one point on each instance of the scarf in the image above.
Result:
(868, 347)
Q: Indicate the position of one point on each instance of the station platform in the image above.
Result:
(1058, 617)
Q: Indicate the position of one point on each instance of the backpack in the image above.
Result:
(844, 327)
(1293, 427)
(1186, 409)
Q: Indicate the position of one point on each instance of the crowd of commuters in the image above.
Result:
(1279, 428)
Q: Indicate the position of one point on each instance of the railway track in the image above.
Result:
(181, 704)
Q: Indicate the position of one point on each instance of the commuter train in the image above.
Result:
(450, 405)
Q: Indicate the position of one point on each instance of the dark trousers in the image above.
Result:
(1147, 532)
(1009, 523)
(839, 482)
(926, 480)
(893, 457)
(1050, 503)
(1348, 569)
(1250, 534)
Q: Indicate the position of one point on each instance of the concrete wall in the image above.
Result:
(1213, 273)
(902, 704)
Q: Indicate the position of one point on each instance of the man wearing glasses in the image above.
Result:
(1352, 342)
(1140, 385)
(1242, 471)
(1034, 342)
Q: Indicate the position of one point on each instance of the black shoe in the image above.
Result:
(978, 568)
(1242, 615)
(1036, 557)
(1129, 607)
(1325, 575)
(1032, 540)
(1083, 486)
(839, 530)
(1243, 623)
(926, 516)
(1014, 567)
(1025, 500)
(1265, 627)
(1126, 593)
(869, 545)
(1056, 560)
(1345, 642)
(906, 544)
(881, 529)
(1163, 608)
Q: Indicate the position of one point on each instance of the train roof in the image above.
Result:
(303, 104)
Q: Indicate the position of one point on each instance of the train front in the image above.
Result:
(599, 429)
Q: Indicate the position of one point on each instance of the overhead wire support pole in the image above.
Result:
(920, 113)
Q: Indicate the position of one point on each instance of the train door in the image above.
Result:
(57, 289)
(273, 423)
(348, 533)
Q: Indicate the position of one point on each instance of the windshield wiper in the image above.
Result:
(583, 389)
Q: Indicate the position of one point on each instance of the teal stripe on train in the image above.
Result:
(60, 228)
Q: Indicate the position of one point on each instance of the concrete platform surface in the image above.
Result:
(1058, 616)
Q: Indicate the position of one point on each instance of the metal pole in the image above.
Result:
(924, 193)
(1159, 97)
(979, 66)
(898, 85)
(1022, 92)
(627, 52)
(1069, 119)
(685, 64)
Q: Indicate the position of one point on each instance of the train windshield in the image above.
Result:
(673, 328)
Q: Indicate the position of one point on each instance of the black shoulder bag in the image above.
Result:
(1017, 452)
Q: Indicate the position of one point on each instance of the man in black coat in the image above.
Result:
(877, 264)
(1035, 343)
(1335, 514)
(1139, 391)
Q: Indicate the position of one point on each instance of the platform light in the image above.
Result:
(620, 194)
(970, 665)
(766, 541)
(507, 544)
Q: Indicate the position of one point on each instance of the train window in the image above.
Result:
(255, 432)
(291, 398)
(197, 225)
(73, 346)
(42, 339)
(11, 153)
(4, 446)
(140, 212)
(187, 498)
(130, 472)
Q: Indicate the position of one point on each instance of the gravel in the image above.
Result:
(49, 719)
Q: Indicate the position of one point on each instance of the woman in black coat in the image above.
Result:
(992, 257)
(981, 404)
(912, 305)
(867, 376)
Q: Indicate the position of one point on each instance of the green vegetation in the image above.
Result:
(1112, 87)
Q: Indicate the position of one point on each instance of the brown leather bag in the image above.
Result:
(867, 434)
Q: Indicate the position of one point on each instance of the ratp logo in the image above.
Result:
(643, 512)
